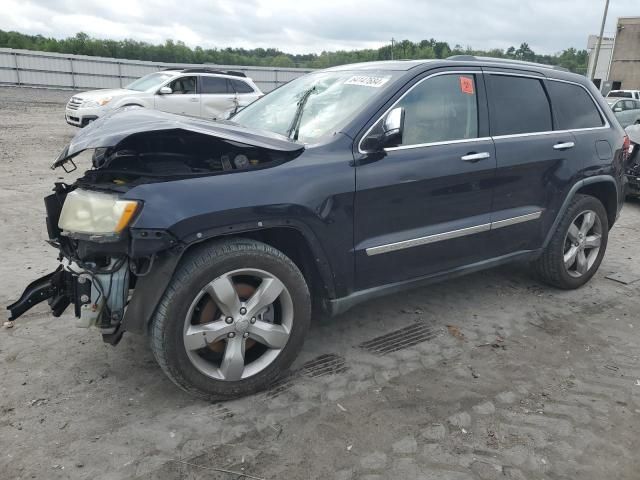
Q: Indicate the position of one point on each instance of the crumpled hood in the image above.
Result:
(113, 127)
(97, 94)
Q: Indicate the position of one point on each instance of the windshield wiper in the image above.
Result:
(294, 128)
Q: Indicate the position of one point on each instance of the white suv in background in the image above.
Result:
(196, 92)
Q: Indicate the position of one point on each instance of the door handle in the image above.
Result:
(194, 99)
(564, 146)
(475, 157)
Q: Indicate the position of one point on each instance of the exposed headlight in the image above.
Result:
(95, 213)
(96, 103)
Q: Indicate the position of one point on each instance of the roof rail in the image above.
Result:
(474, 58)
(212, 70)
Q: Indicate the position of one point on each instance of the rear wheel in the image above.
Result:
(578, 245)
(233, 318)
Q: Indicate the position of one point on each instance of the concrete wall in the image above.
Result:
(56, 70)
(604, 59)
(625, 64)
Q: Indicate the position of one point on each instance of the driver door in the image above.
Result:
(184, 98)
(424, 206)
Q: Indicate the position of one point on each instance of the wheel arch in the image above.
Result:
(295, 242)
(607, 193)
(132, 102)
(602, 187)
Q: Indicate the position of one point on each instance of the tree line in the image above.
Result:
(176, 51)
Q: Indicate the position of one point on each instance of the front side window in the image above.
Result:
(214, 85)
(440, 109)
(574, 107)
(183, 86)
(519, 105)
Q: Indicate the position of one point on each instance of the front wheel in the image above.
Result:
(578, 245)
(232, 319)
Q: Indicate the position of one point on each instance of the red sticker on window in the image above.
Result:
(466, 85)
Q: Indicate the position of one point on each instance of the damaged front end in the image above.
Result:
(109, 269)
(632, 164)
(94, 274)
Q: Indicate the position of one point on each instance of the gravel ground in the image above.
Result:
(492, 376)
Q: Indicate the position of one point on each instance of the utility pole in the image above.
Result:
(599, 44)
(393, 43)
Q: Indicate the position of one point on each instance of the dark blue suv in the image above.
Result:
(216, 239)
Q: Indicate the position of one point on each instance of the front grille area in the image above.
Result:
(74, 103)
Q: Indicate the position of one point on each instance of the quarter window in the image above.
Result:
(241, 87)
(440, 109)
(519, 105)
(573, 106)
(215, 85)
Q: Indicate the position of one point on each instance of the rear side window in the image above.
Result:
(574, 107)
(630, 105)
(440, 109)
(241, 87)
(619, 94)
(215, 85)
(519, 105)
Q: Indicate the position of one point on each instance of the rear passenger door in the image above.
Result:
(534, 163)
(218, 97)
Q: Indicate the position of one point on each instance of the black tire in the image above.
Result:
(199, 267)
(550, 266)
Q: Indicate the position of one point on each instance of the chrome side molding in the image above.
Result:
(462, 232)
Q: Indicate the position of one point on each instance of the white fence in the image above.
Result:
(59, 70)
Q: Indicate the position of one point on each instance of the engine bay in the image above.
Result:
(161, 156)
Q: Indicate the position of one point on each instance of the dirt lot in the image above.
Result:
(493, 376)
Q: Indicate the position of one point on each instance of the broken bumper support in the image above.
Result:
(57, 287)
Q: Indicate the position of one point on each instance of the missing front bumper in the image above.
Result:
(99, 297)
(55, 287)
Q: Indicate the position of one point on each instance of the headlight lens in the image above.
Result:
(96, 213)
(96, 103)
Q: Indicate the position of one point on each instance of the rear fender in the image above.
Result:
(608, 179)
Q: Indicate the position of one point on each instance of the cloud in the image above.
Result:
(297, 26)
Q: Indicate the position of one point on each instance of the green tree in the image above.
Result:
(173, 51)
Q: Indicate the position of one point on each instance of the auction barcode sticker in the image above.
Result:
(367, 81)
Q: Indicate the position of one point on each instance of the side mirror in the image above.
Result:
(386, 134)
(165, 91)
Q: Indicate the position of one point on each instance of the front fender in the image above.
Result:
(151, 287)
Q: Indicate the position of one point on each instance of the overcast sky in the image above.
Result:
(300, 26)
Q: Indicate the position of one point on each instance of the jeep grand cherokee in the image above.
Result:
(215, 238)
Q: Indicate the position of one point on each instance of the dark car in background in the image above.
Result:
(216, 239)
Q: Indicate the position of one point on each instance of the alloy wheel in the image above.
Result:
(238, 324)
(582, 243)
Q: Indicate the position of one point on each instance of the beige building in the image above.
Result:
(619, 62)
(625, 64)
(604, 59)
